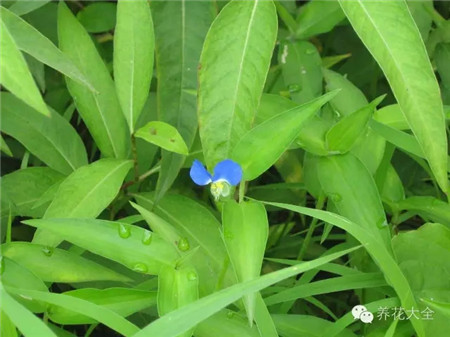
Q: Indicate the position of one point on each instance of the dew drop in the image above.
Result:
(191, 276)
(140, 267)
(183, 244)
(294, 87)
(124, 231)
(230, 314)
(48, 251)
(336, 197)
(147, 238)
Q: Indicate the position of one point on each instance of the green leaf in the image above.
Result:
(428, 207)
(16, 76)
(163, 135)
(301, 68)
(200, 227)
(176, 288)
(245, 233)
(57, 265)
(98, 17)
(442, 59)
(4, 147)
(391, 115)
(400, 52)
(261, 147)
(101, 314)
(375, 247)
(123, 301)
(85, 193)
(179, 43)
(359, 202)
(28, 324)
(132, 246)
(343, 135)
(32, 42)
(15, 275)
(52, 139)
(233, 68)
(7, 328)
(22, 188)
(191, 314)
(134, 43)
(100, 111)
(318, 17)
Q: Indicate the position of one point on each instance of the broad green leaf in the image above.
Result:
(134, 42)
(428, 207)
(375, 247)
(233, 68)
(25, 7)
(245, 233)
(428, 274)
(32, 42)
(191, 314)
(342, 136)
(163, 135)
(16, 76)
(57, 265)
(52, 139)
(100, 111)
(85, 193)
(200, 227)
(134, 247)
(101, 314)
(270, 106)
(15, 275)
(176, 288)
(226, 323)
(179, 43)
(123, 301)
(98, 17)
(28, 324)
(301, 68)
(261, 147)
(22, 188)
(400, 52)
(359, 202)
(318, 17)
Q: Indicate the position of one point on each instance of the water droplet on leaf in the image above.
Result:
(230, 314)
(192, 276)
(183, 244)
(124, 231)
(140, 267)
(147, 237)
(48, 251)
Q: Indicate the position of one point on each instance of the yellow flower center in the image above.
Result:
(220, 188)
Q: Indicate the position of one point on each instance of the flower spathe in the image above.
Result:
(226, 173)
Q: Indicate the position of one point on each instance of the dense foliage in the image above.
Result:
(225, 168)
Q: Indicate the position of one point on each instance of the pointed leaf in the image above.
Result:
(133, 57)
(233, 68)
(163, 135)
(261, 147)
(15, 75)
(400, 52)
(100, 111)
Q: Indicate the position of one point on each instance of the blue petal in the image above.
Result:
(229, 171)
(199, 174)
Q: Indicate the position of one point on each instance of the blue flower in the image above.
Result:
(227, 173)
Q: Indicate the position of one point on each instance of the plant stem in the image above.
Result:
(153, 170)
(312, 226)
(135, 160)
